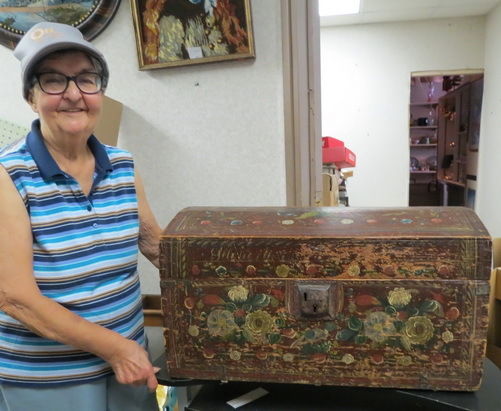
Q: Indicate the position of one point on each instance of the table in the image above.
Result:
(290, 397)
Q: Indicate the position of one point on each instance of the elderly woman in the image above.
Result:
(73, 215)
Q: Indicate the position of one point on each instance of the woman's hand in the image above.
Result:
(132, 366)
(20, 298)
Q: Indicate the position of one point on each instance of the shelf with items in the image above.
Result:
(423, 154)
(451, 182)
(424, 103)
(423, 129)
(425, 93)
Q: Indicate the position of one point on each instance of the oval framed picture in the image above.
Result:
(89, 16)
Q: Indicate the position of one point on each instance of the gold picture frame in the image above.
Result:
(172, 33)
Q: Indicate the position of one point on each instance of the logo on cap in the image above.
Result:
(40, 33)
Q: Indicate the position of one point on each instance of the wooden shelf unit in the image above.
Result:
(423, 131)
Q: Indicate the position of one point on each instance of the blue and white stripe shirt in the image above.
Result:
(85, 252)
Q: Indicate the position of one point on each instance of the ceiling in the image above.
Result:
(377, 11)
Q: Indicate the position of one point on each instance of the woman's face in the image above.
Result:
(71, 113)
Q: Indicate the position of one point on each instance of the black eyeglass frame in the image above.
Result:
(68, 79)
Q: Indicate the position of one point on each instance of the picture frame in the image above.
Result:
(91, 17)
(173, 33)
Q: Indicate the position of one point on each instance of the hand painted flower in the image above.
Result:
(348, 359)
(405, 360)
(377, 358)
(418, 329)
(220, 323)
(288, 357)
(238, 293)
(447, 337)
(315, 334)
(250, 269)
(193, 330)
(282, 270)
(221, 271)
(399, 297)
(452, 314)
(235, 355)
(379, 326)
(257, 324)
(354, 270)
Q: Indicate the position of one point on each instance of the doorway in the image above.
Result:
(444, 128)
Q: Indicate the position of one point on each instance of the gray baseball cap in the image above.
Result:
(45, 38)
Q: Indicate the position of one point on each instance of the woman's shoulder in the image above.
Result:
(116, 150)
(15, 151)
(117, 153)
(119, 158)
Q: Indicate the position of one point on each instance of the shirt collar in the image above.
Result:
(48, 166)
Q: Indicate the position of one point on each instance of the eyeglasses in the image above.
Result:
(57, 83)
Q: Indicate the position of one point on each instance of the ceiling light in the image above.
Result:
(338, 7)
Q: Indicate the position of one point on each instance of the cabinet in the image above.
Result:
(443, 139)
(459, 125)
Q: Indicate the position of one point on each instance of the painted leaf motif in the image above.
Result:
(406, 343)
(308, 214)
(274, 302)
(273, 338)
(212, 299)
(345, 335)
(398, 325)
(430, 306)
(390, 310)
(365, 300)
(438, 297)
(413, 311)
(330, 326)
(355, 324)
(230, 306)
(360, 339)
(260, 300)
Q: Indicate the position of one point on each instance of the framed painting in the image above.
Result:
(173, 33)
(18, 16)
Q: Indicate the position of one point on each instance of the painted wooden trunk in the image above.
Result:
(327, 296)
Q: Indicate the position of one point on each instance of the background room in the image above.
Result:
(369, 61)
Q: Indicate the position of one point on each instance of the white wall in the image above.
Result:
(489, 175)
(201, 135)
(366, 72)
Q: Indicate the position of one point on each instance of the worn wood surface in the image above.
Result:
(406, 296)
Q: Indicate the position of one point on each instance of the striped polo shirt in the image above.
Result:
(85, 252)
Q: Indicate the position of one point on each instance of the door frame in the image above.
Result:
(302, 101)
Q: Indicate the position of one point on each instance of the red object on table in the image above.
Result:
(334, 151)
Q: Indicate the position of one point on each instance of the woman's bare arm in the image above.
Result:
(149, 230)
(21, 298)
